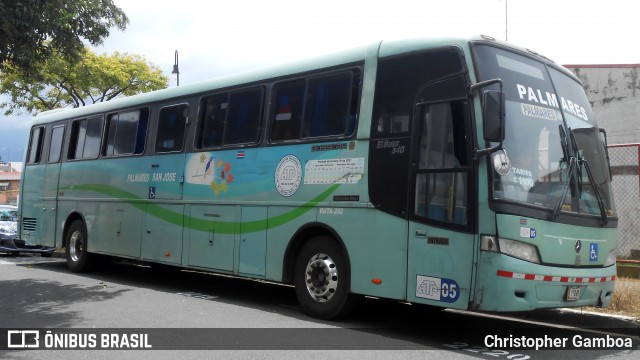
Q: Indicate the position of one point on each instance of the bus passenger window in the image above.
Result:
(230, 118)
(171, 126)
(287, 110)
(78, 132)
(55, 147)
(328, 107)
(35, 145)
(85, 138)
(318, 106)
(93, 137)
(213, 117)
(243, 124)
(126, 133)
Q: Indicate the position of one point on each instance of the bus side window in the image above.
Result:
(328, 106)
(126, 133)
(55, 147)
(230, 118)
(213, 116)
(35, 145)
(78, 133)
(85, 138)
(141, 133)
(286, 116)
(93, 137)
(245, 112)
(319, 106)
(171, 126)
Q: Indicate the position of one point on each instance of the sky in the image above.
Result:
(218, 37)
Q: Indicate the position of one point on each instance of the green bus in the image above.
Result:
(459, 173)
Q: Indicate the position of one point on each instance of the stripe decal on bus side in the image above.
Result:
(222, 227)
(549, 278)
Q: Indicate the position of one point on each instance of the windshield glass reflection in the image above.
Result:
(542, 106)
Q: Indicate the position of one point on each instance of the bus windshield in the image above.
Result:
(553, 156)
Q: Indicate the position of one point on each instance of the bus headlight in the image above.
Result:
(519, 250)
(513, 248)
(611, 258)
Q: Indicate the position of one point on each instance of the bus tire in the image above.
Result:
(322, 279)
(76, 247)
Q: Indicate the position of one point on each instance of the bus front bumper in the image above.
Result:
(508, 284)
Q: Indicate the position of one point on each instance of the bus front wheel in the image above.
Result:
(322, 279)
(76, 247)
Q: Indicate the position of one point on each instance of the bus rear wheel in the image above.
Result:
(322, 280)
(76, 247)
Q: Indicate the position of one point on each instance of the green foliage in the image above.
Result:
(92, 79)
(31, 30)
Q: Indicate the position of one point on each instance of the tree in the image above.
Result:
(94, 78)
(30, 30)
(633, 80)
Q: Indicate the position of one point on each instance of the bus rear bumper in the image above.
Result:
(532, 286)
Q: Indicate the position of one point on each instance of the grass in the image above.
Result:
(626, 299)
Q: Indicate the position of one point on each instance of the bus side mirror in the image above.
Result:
(493, 105)
(493, 114)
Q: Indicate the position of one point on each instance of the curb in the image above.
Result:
(576, 317)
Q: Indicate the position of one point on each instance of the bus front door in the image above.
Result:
(441, 240)
(440, 265)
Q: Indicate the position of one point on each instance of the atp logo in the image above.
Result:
(288, 175)
(438, 289)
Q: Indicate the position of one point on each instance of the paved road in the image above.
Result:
(249, 319)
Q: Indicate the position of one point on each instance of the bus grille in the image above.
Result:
(29, 224)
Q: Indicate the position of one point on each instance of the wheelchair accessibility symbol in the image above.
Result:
(593, 252)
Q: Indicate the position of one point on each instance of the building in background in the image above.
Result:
(614, 94)
(9, 185)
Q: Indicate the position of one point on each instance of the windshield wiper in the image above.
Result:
(576, 163)
(572, 163)
(596, 192)
(583, 162)
(579, 158)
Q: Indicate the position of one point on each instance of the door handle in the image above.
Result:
(421, 233)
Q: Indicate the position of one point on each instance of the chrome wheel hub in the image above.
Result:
(321, 277)
(76, 246)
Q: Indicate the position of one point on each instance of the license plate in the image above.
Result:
(573, 293)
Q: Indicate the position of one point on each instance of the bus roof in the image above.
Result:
(378, 49)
